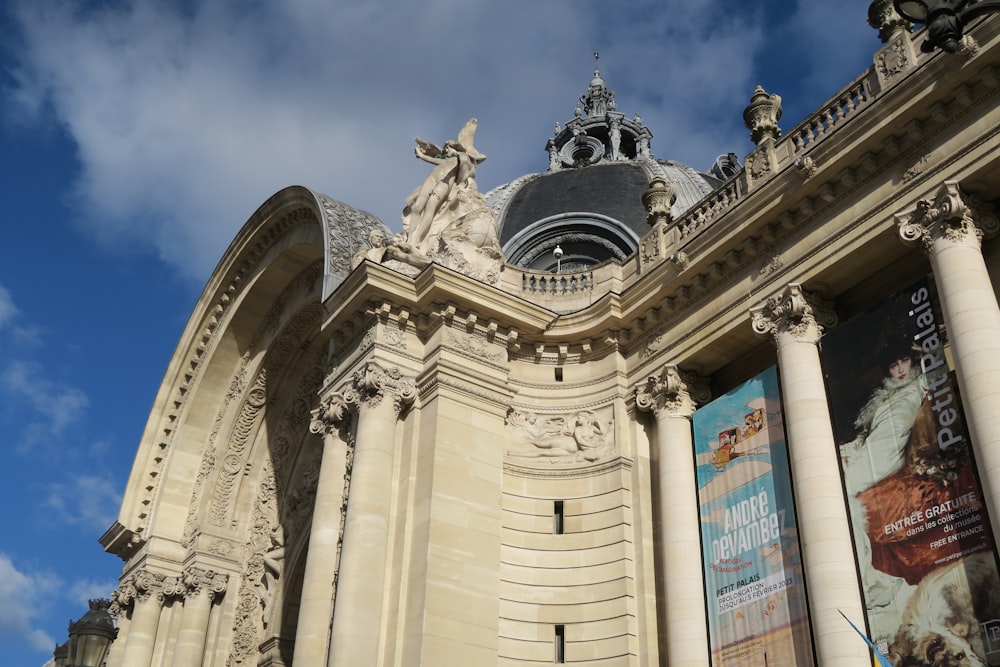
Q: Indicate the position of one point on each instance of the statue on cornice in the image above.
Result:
(446, 220)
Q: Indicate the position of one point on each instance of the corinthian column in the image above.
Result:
(668, 397)
(824, 530)
(952, 235)
(146, 591)
(201, 588)
(382, 395)
(330, 420)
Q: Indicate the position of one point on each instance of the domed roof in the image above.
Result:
(589, 202)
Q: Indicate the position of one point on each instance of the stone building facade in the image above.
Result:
(471, 443)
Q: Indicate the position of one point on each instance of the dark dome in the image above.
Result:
(587, 208)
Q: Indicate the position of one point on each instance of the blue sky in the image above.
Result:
(137, 138)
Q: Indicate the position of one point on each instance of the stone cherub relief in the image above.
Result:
(580, 437)
(445, 220)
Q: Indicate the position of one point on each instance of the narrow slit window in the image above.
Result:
(560, 644)
(559, 375)
(558, 517)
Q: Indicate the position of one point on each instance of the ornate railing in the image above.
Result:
(558, 284)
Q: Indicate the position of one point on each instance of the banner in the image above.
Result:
(753, 573)
(921, 534)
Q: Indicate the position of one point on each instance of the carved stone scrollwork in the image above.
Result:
(795, 311)
(673, 391)
(198, 579)
(372, 383)
(949, 216)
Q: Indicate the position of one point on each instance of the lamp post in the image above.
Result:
(945, 19)
(558, 252)
(89, 638)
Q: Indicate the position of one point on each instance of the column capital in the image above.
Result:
(672, 392)
(141, 586)
(333, 413)
(950, 216)
(197, 579)
(795, 311)
(372, 382)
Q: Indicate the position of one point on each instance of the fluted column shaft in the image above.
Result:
(361, 583)
(202, 588)
(147, 599)
(951, 234)
(316, 604)
(667, 396)
(824, 529)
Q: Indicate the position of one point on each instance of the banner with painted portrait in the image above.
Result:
(753, 573)
(921, 533)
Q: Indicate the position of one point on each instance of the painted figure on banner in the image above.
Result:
(916, 508)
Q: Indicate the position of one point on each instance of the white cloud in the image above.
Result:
(22, 597)
(54, 406)
(187, 120)
(86, 500)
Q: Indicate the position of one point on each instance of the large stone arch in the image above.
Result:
(218, 478)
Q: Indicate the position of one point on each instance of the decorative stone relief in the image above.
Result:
(758, 163)
(806, 166)
(258, 585)
(894, 58)
(475, 346)
(347, 228)
(949, 216)
(795, 311)
(681, 260)
(672, 391)
(578, 437)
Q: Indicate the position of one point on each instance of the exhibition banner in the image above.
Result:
(753, 573)
(922, 537)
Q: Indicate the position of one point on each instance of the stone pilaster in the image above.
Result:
(795, 319)
(951, 232)
(145, 592)
(201, 586)
(382, 395)
(669, 396)
(331, 420)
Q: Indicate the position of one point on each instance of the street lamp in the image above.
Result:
(558, 252)
(89, 638)
(945, 19)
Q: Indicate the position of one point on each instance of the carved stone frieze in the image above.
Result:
(578, 437)
(672, 391)
(794, 311)
(475, 346)
(948, 216)
(894, 58)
